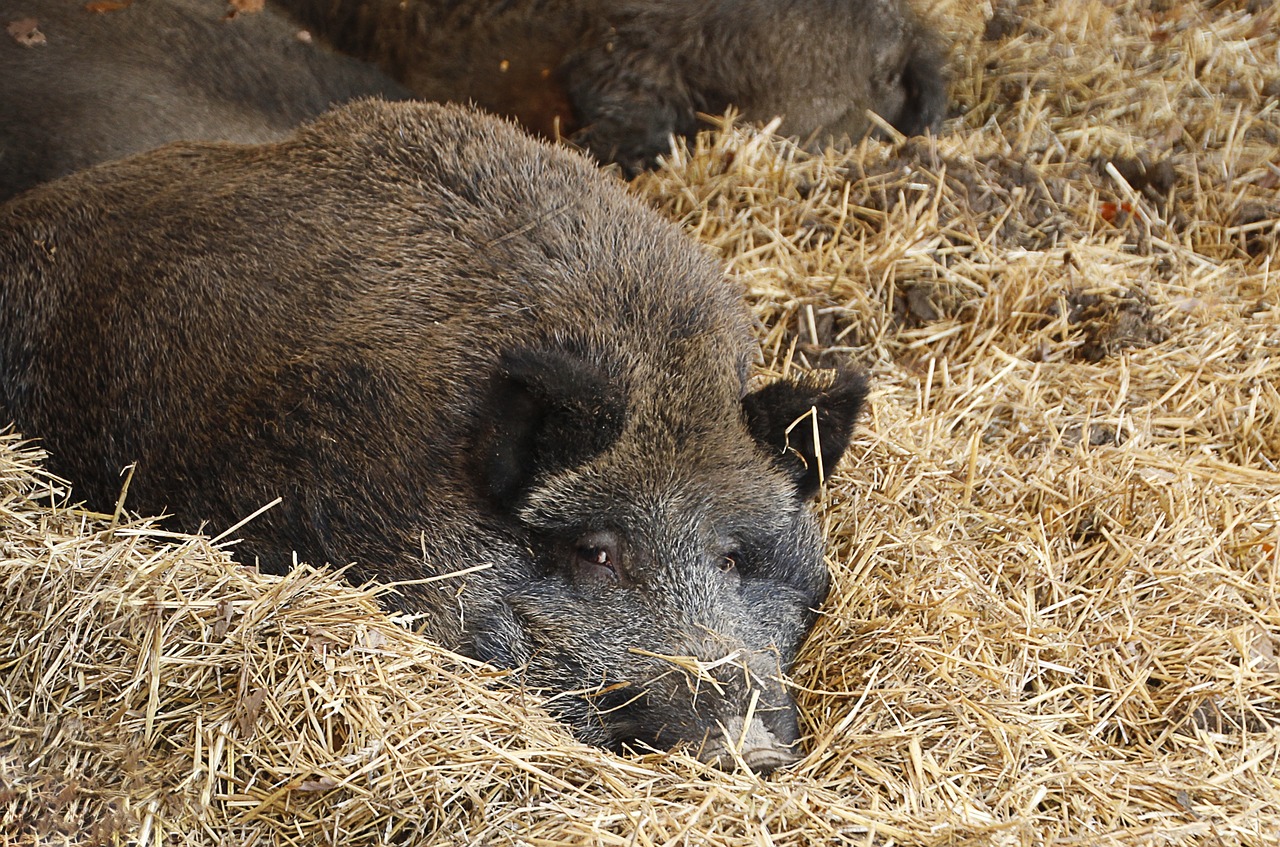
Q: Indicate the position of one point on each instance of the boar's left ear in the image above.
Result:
(836, 395)
(548, 411)
(925, 86)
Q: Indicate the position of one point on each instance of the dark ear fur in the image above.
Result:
(925, 83)
(547, 411)
(774, 408)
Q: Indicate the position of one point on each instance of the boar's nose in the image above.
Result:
(758, 724)
(763, 747)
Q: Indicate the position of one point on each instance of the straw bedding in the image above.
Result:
(1055, 542)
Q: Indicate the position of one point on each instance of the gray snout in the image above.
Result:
(760, 747)
(756, 722)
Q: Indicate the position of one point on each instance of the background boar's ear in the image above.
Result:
(548, 411)
(837, 395)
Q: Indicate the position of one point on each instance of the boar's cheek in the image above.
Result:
(547, 411)
(772, 411)
(498, 637)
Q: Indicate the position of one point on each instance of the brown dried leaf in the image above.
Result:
(102, 7)
(247, 711)
(226, 610)
(324, 783)
(25, 32)
(1262, 652)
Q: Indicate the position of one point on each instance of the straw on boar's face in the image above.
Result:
(467, 363)
(677, 565)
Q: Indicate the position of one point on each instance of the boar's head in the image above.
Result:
(859, 56)
(819, 65)
(676, 565)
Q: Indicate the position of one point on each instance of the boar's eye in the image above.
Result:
(596, 555)
(599, 557)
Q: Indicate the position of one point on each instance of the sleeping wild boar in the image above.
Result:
(622, 76)
(445, 345)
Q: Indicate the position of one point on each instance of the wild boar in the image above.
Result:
(459, 355)
(100, 86)
(620, 77)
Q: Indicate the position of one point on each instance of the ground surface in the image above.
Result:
(1055, 618)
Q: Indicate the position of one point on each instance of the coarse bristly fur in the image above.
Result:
(466, 361)
(620, 78)
(106, 85)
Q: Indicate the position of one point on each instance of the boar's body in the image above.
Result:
(622, 76)
(619, 77)
(107, 85)
(444, 345)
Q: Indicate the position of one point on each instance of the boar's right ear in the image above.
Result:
(547, 411)
(771, 412)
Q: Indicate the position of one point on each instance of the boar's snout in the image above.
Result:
(758, 724)
(730, 712)
(715, 696)
(755, 744)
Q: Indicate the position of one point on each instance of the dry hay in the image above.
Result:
(1055, 543)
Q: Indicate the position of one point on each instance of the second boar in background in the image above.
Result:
(620, 77)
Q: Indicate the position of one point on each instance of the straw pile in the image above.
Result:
(1055, 544)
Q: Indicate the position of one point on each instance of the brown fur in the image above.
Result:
(109, 85)
(618, 78)
(622, 76)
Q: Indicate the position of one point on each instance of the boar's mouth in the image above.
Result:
(726, 726)
(618, 682)
(752, 744)
(731, 712)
